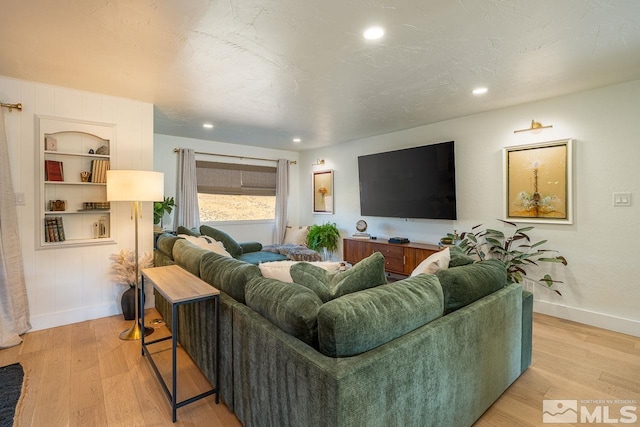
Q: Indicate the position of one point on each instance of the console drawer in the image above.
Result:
(395, 265)
(391, 251)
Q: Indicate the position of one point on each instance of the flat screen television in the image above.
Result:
(415, 182)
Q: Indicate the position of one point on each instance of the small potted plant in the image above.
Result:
(123, 272)
(159, 208)
(323, 238)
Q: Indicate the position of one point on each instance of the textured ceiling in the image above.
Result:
(266, 71)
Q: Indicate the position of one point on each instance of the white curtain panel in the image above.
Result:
(282, 200)
(187, 212)
(14, 306)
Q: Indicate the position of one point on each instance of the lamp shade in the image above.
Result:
(135, 186)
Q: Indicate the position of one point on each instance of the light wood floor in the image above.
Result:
(83, 374)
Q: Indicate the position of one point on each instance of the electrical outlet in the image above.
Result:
(621, 199)
(19, 198)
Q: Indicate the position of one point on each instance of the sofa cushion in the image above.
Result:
(230, 245)
(188, 256)
(261, 256)
(189, 231)
(458, 257)
(364, 320)
(165, 244)
(366, 274)
(294, 309)
(434, 263)
(227, 274)
(468, 283)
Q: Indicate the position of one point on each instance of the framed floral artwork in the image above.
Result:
(322, 192)
(538, 182)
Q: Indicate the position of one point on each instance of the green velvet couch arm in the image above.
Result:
(248, 247)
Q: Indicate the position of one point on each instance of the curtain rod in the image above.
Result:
(17, 106)
(292, 162)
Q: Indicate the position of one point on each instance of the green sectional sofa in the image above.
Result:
(377, 355)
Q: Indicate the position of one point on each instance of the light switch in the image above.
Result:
(19, 197)
(621, 199)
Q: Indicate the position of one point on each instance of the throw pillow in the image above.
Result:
(296, 235)
(208, 243)
(280, 270)
(366, 274)
(229, 244)
(188, 231)
(458, 257)
(465, 284)
(434, 263)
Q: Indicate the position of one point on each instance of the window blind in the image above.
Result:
(235, 179)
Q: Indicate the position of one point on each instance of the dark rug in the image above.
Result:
(10, 388)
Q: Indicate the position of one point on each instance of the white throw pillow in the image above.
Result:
(433, 264)
(296, 235)
(280, 270)
(208, 243)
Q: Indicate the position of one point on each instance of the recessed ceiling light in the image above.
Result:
(373, 33)
(480, 91)
(297, 140)
(207, 125)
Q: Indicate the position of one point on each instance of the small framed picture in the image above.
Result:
(50, 143)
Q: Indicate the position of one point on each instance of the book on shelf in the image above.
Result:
(60, 228)
(53, 170)
(54, 229)
(99, 170)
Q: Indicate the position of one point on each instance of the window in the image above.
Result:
(234, 192)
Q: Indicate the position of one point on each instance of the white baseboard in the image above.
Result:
(52, 320)
(600, 320)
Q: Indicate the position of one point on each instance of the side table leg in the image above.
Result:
(174, 333)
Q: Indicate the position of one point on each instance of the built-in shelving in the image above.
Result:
(69, 145)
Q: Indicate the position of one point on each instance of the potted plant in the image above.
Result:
(323, 238)
(123, 272)
(516, 251)
(159, 208)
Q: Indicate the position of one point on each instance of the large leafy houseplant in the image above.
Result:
(515, 250)
(159, 208)
(323, 236)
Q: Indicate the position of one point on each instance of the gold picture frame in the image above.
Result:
(538, 182)
(322, 192)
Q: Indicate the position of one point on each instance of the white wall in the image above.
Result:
(602, 282)
(68, 285)
(165, 160)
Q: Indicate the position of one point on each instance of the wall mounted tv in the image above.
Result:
(415, 182)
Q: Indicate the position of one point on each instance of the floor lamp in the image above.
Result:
(135, 187)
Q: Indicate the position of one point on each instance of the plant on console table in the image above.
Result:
(323, 238)
(516, 251)
(123, 272)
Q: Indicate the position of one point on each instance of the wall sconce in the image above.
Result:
(319, 162)
(535, 126)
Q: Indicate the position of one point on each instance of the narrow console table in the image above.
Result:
(398, 258)
(180, 287)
